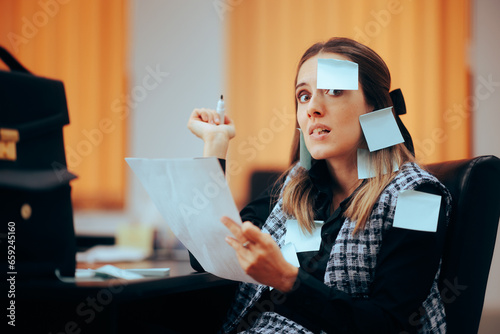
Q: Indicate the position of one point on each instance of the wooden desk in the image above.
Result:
(185, 302)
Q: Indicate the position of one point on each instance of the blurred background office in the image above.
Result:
(134, 70)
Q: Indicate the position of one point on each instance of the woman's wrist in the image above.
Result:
(288, 280)
(216, 145)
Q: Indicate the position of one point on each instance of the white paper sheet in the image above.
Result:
(337, 74)
(303, 242)
(192, 195)
(365, 166)
(416, 210)
(380, 129)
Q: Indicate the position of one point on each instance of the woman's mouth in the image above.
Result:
(318, 131)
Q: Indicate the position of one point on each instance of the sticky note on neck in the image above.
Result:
(380, 129)
(337, 74)
(416, 210)
(366, 168)
(305, 156)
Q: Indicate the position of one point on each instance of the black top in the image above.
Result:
(406, 265)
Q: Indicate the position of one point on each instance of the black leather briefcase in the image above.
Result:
(37, 236)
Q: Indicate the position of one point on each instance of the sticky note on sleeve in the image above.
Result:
(416, 210)
(337, 74)
(380, 129)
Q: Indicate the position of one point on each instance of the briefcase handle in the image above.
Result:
(11, 62)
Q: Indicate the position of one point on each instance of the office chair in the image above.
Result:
(475, 187)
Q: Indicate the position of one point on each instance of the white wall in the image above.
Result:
(485, 66)
(185, 39)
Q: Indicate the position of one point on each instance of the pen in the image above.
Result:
(221, 109)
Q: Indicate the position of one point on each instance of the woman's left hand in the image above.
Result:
(259, 256)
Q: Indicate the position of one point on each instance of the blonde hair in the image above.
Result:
(299, 195)
(298, 192)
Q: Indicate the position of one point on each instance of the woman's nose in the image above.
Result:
(315, 108)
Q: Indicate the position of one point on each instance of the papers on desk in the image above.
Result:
(109, 271)
(110, 254)
(192, 195)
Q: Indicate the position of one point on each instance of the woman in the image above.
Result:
(367, 276)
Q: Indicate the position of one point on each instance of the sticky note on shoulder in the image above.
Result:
(380, 129)
(416, 210)
(337, 74)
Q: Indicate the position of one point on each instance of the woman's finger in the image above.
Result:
(204, 116)
(251, 232)
(237, 246)
(234, 228)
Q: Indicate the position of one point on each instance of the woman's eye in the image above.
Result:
(334, 92)
(303, 97)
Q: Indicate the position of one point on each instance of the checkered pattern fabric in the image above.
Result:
(270, 323)
(351, 266)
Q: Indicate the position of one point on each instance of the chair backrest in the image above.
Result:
(475, 187)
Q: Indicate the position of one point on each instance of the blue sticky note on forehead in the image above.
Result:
(337, 74)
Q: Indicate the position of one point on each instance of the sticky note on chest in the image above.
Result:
(303, 242)
(290, 254)
(416, 210)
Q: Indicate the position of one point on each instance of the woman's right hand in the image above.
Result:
(205, 124)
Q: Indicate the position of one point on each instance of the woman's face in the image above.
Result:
(329, 119)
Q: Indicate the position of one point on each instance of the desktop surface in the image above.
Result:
(184, 302)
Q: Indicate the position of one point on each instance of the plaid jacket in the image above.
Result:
(349, 269)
